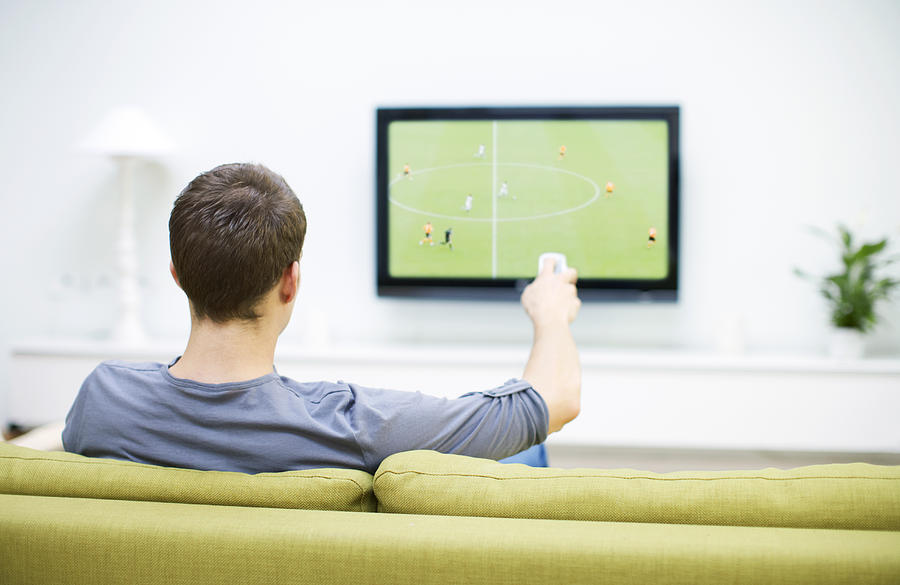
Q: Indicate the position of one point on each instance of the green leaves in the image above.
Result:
(846, 237)
(853, 292)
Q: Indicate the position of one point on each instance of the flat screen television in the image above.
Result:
(469, 198)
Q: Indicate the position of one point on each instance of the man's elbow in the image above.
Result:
(576, 410)
(572, 410)
(563, 413)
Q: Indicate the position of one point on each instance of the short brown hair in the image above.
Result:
(232, 232)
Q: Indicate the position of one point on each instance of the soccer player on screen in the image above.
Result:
(609, 188)
(504, 190)
(480, 153)
(652, 239)
(428, 229)
(448, 234)
(406, 172)
(562, 152)
(467, 206)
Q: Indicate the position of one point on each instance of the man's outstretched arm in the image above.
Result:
(553, 368)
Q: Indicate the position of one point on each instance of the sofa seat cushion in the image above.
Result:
(849, 496)
(55, 473)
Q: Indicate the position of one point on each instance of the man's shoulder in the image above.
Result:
(118, 369)
(125, 368)
(115, 365)
(316, 390)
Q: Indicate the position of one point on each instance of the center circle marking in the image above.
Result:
(498, 219)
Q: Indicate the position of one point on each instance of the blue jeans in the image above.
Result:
(535, 456)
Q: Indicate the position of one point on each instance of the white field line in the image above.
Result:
(494, 201)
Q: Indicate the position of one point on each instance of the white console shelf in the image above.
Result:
(661, 398)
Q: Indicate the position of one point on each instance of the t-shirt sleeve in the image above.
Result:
(493, 424)
(72, 434)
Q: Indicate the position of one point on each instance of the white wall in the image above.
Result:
(789, 119)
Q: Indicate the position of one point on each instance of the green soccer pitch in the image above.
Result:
(554, 204)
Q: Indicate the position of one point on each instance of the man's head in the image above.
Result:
(233, 233)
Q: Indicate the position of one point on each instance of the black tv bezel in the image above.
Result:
(591, 289)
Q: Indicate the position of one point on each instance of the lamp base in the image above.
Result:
(128, 331)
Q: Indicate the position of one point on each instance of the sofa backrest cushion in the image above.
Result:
(852, 496)
(55, 473)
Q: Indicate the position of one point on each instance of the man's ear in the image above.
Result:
(290, 282)
(174, 275)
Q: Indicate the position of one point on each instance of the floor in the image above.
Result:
(664, 460)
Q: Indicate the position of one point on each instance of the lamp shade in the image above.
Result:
(127, 131)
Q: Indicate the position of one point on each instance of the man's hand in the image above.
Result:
(552, 299)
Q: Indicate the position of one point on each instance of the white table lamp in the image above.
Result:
(127, 135)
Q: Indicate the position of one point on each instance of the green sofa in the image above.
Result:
(431, 518)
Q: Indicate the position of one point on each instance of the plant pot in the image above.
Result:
(846, 343)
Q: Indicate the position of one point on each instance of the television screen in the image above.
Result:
(469, 198)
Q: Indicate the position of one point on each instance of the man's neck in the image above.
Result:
(229, 352)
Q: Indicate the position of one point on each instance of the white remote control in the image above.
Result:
(560, 261)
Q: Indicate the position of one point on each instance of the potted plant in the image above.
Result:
(853, 292)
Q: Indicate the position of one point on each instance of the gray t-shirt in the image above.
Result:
(140, 412)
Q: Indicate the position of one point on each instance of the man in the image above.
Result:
(504, 190)
(428, 229)
(448, 238)
(236, 237)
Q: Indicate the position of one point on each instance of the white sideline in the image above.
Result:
(494, 200)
